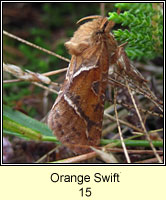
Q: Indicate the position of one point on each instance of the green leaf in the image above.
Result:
(26, 121)
(15, 134)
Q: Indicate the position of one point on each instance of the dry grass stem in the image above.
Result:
(118, 150)
(102, 9)
(77, 159)
(35, 46)
(122, 122)
(28, 76)
(142, 124)
(47, 155)
(106, 157)
(140, 109)
(149, 132)
(12, 81)
(119, 129)
(55, 72)
(149, 95)
(44, 87)
(143, 90)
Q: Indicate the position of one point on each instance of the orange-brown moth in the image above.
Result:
(77, 114)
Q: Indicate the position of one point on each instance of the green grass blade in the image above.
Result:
(26, 121)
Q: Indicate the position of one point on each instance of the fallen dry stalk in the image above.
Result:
(35, 46)
(119, 129)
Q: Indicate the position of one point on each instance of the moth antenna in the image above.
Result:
(111, 24)
(88, 17)
(106, 25)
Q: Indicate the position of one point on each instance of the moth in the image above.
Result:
(77, 114)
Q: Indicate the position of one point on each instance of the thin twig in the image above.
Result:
(26, 76)
(54, 72)
(152, 98)
(142, 124)
(12, 81)
(106, 157)
(29, 76)
(122, 122)
(77, 159)
(149, 132)
(102, 9)
(44, 87)
(35, 46)
(118, 150)
(140, 109)
(119, 129)
(47, 154)
(139, 90)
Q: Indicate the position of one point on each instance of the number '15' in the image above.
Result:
(87, 192)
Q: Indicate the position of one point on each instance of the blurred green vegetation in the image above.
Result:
(144, 32)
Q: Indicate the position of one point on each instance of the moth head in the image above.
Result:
(88, 34)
